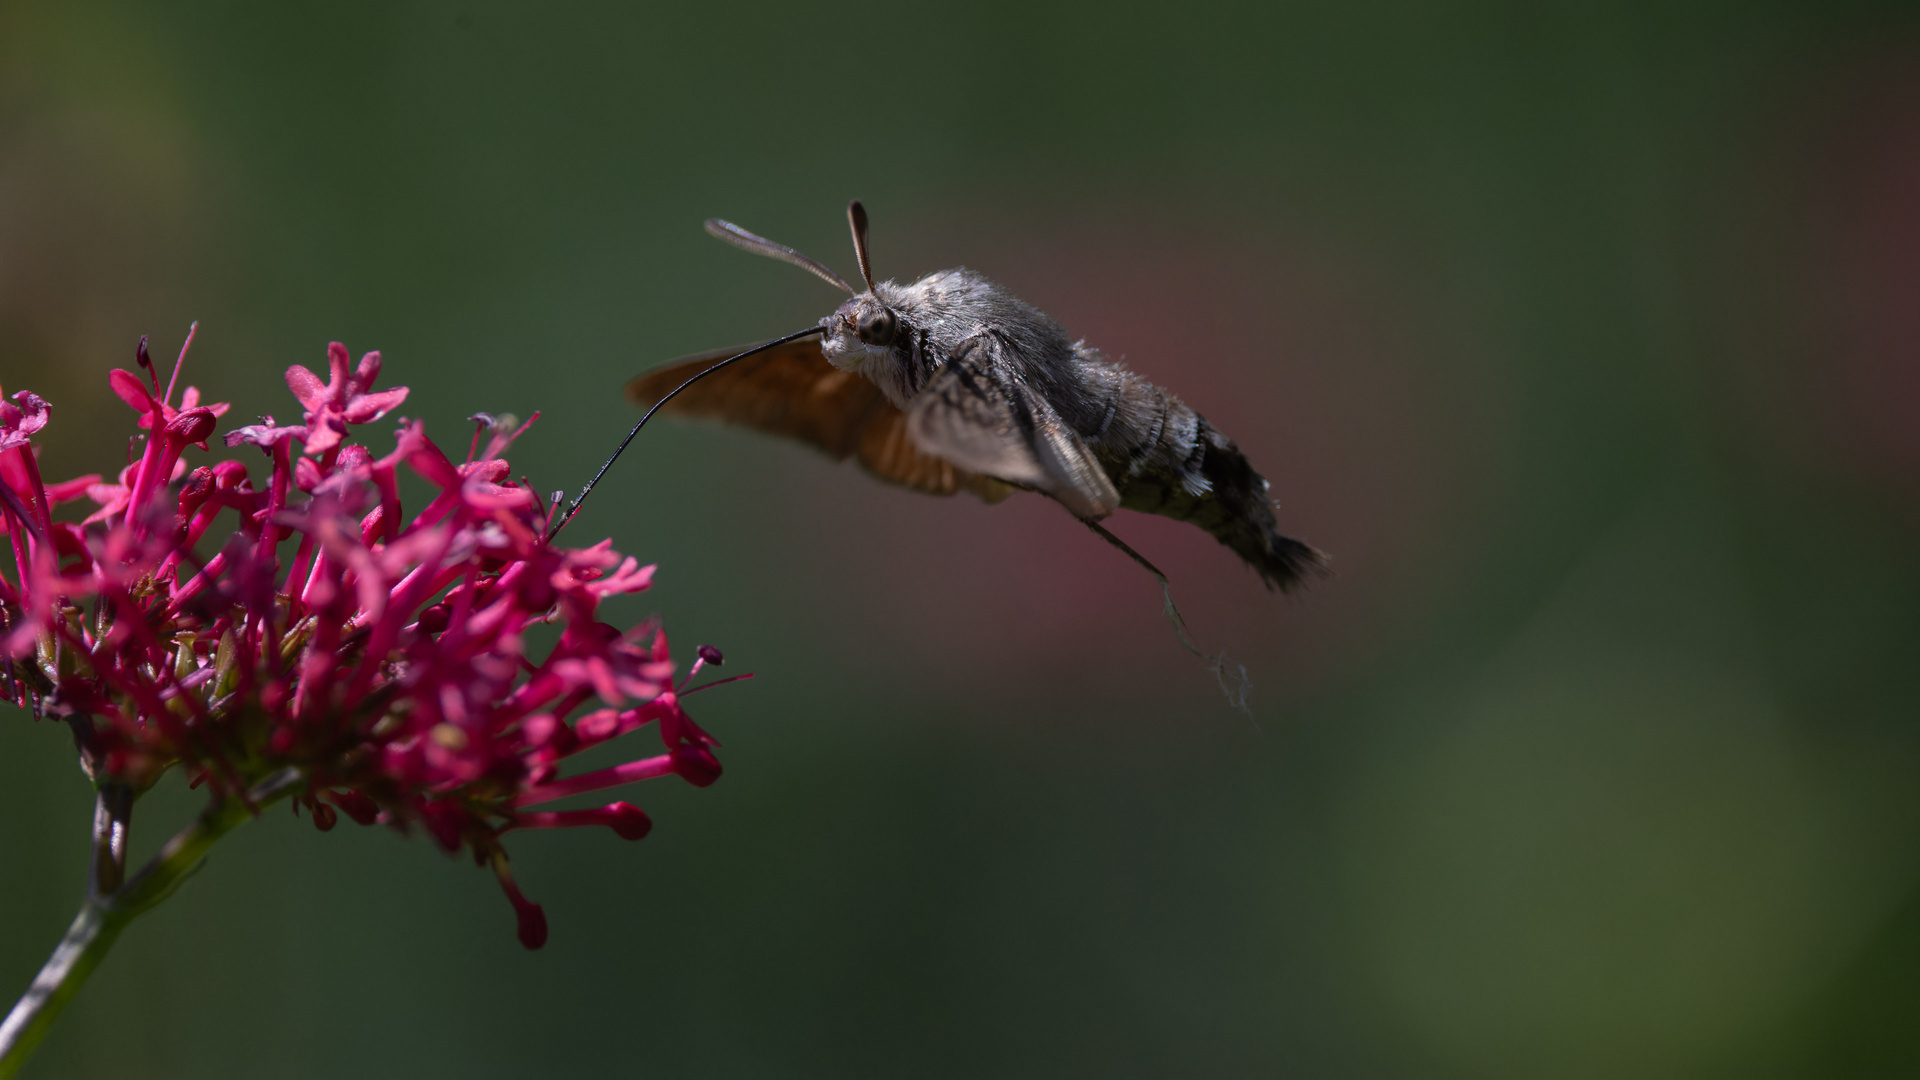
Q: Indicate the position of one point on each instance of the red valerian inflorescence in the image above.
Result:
(383, 657)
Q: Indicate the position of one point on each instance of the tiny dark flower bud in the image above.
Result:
(140, 355)
(324, 816)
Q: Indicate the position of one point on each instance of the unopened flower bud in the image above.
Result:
(628, 821)
(434, 619)
(696, 765)
(533, 924)
(191, 426)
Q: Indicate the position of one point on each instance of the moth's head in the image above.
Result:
(861, 330)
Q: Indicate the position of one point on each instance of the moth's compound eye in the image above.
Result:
(877, 328)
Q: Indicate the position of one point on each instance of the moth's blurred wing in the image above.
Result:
(973, 416)
(792, 391)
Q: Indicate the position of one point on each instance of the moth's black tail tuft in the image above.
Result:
(1240, 515)
(1287, 563)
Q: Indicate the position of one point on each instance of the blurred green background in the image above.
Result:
(1586, 337)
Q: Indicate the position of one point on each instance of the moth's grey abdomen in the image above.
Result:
(1166, 459)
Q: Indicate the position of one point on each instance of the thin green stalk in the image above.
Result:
(102, 918)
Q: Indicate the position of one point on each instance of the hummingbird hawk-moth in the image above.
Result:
(952, 383)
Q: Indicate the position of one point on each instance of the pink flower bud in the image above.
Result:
(192, 426)
(532, 923)
(628, 821)
(696, 765)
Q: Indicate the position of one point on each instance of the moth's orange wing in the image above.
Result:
(792, 391)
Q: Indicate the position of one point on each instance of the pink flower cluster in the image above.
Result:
(385, 657)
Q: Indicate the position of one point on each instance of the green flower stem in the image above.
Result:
(102, 917)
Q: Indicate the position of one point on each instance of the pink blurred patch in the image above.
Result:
(1866, 266)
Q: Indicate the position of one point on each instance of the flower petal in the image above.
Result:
(131, 390)
(337, 385)
(70, 490)
(367, 408)
(34, 412)
(306, 387)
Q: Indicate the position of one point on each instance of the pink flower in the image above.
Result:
(387, 660)
(346, 398)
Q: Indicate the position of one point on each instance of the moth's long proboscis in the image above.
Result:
(574, 507)
(760, 245)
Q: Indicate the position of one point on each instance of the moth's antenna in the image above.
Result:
(574, 507)
(760, 245)
(857, 221)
